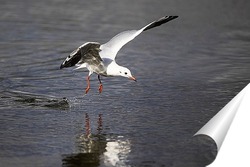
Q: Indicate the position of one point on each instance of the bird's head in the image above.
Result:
(125, 72)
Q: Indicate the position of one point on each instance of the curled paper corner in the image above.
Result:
(229, 128)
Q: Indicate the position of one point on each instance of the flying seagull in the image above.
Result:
(100, 59)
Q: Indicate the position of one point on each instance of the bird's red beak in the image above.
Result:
(132, 78)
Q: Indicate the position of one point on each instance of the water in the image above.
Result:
(187, 70)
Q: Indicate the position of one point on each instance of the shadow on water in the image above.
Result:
(37, 100)
(97, 149)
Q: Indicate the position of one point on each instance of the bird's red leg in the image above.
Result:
(88, 85)
(100, 86)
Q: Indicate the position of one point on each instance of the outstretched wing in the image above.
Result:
(110, 49)
(87, 53)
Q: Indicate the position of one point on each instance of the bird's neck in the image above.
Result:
(113, 69)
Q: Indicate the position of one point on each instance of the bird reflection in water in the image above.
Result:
(97, 149)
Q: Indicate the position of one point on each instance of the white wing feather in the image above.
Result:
(111, 48)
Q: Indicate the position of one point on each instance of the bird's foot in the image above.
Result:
(100, 88)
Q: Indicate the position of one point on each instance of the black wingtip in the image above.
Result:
(160, 22)
(168, 18)
(174, 17)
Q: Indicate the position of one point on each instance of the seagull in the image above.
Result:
(100, 58)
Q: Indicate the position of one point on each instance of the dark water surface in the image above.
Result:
(187, 70)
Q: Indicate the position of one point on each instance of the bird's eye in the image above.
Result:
(125, 73)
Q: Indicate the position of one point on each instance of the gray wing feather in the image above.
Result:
(87, 53)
